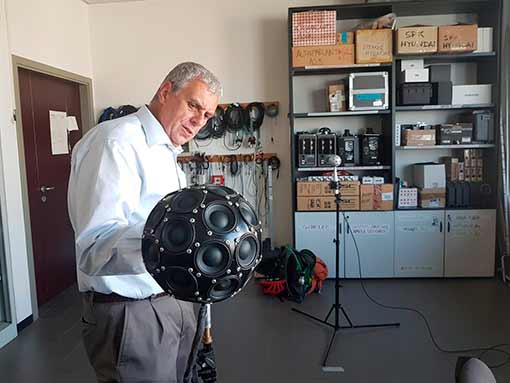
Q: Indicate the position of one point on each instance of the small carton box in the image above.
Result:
(366, 196)
(336, 97)
(421, 137)
(407, 197)
(349, 188)
(339, 54)
(458, 38)
(367, 180)
(429, 176)
(451, 168)
(412, 64)
(383, 197)
(374, 46)
(432, 198)
(378, 180)
(350, 202)
(305, 189)
(345, 37)
(472, 94)
(417, 39)
(316, 203)
(415, 75)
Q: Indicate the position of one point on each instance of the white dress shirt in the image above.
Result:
(119, 171)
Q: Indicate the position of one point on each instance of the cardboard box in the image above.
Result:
(383, 197)
(376, 197)
(457, 38)
(349, 188)
(415, 75)
(366, 196)
(412, 64)
(432, 198)
(345, 38)
(472, 94)
(417, 39)
(451, 168)
(429, 176)
(337, 98)
(305, 189)
(421, 137)
(323, 189)
(340, 54)
(374, 46)
(366, 180)
(313, 28)
(485, 39)
(327, 203)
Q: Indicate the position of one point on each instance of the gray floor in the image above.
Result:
(259, 339)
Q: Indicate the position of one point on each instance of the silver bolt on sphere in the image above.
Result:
(227, 197)
(195, 211)
(197, 244)
(163, 268)
(238, 269)
(197, 293)
(168, 210)
(199, 299)
(158, 271)
(152, 231)
(253, 268)
(227, 241)
(237, 204)
(165, 219)
(202, 206)
(238, 229)
(229, 271)
(205, 191)
(209, 233)
(208, 299)
(190, 269)
(161, 249)
(192, 220)
(167, 206)
(240, 275)
(230, 203)
(189, 251)
(199, 275)
(156, 241)
(152, 274)
(213, 281)
(260, 222)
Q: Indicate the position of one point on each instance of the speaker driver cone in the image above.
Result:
(177, 235)
(180, 281)
(220, 218)
(151, 257)
(224, 288)
(247, 250)
(186, 202)
(222, 191)
(213, 258)
(248, 214)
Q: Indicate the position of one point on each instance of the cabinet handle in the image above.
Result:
(340, 225)
(441, 226)
(448, 227)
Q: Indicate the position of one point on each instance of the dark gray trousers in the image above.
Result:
(138, 341)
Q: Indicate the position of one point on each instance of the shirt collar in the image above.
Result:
(154, 132)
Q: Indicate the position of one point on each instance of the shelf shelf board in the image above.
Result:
(337, 114)
(436, 147)
(318, 69)
(353, 168)
(442, 107)
(444, 56)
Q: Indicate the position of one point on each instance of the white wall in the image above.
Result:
(244, 43)
(55, 33)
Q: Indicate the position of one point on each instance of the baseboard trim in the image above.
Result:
(25, 323)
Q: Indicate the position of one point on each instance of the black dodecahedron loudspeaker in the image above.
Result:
(202, 243)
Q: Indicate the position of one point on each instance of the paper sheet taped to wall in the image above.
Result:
(58, 132)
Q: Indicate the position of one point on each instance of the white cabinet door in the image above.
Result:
(419, 243)
(316, 231)
(470, 243)
(375, 237)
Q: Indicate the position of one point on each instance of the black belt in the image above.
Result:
(115, 298)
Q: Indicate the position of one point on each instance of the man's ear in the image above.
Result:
(164, 91)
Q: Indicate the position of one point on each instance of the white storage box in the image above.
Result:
(471, 94)
(429, 176)
(411, 64)
(407, 197)
(415, 75)
(485, 40)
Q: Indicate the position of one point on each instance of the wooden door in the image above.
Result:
(47, 178)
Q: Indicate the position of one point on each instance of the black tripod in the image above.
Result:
(337, 306)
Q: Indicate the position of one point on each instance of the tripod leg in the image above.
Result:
(329, 313)
(346, 316)
(325, 366)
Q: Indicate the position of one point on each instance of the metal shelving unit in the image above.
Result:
(337, 114)
(347, 168)
(436, 147)
(442, 107)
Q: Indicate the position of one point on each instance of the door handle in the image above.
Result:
(45, 189)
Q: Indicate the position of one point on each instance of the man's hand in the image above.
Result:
(206, 365)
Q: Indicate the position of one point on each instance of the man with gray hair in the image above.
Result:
(132, 330)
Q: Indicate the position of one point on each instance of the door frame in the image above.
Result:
(87, 120)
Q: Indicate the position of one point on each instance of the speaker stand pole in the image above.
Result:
(337, 306)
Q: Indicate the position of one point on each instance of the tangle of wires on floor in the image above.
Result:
(484, 350)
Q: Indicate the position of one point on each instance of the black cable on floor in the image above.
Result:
(485, 350)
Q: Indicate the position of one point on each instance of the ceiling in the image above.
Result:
(107, 1)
